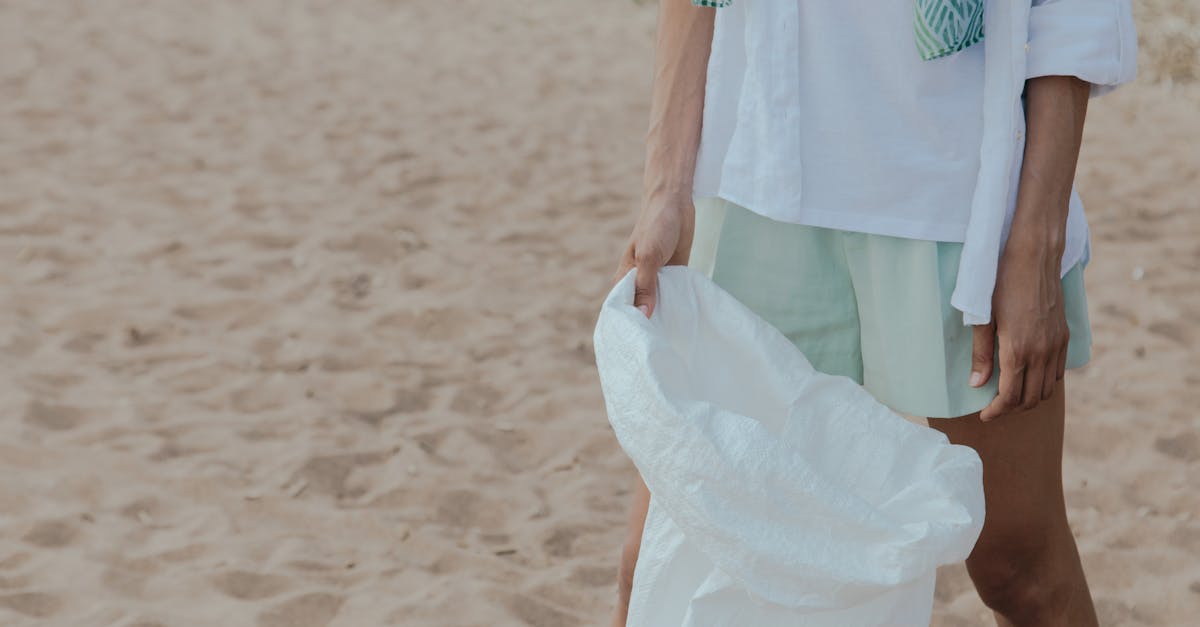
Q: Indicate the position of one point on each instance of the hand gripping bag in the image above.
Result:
(779, 495)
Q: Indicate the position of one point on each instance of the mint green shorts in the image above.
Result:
(871, 307)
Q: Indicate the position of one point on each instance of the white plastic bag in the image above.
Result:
(779, 495)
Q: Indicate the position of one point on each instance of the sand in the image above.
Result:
(296, 303)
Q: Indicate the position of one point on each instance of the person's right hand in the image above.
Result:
(662, 236)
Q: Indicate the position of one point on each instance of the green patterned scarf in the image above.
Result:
(941, 27)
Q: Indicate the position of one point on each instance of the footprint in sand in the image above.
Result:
(249, 586)
(264, 395)
(53, 417)
(56, 380)
(351, 291)
(331, 475)
(129, 577)
(430, 441)
(376, 248)
(143, 509)
(315, 609)
(267, 241)
(35, 604)
(428, 325)
(594, 576)
(403, 402)
(239, 282)
(566, 540)
(1184, 446)
(460, 508)
(14, 561)
(84, 343)
(51, 534)
(231, 313)
(476, 399)
(14, 582)
(1172, 331)
(538, 613)
(1186, 536)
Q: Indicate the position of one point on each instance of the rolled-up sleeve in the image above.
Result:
(1094, 40)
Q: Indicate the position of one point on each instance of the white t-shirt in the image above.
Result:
(889, 143)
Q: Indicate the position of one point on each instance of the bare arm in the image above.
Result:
(1028, 317)
(1055, 111)
(663, 234)
(677, 102)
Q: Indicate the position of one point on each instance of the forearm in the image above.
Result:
(1055, 107)
(682, 46)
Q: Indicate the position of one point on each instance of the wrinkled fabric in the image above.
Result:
(779, 495)
(751, 153)
(940, 27)
(876, 141)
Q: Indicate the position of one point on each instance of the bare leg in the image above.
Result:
(629, 552)
(1025, 565)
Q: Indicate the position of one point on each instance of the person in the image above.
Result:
(890, 184)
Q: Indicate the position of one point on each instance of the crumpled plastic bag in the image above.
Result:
(779, 495)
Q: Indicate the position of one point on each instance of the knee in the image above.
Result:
(1021, 580)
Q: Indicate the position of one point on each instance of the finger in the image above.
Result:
(1050, 375)
(1008, 397)
(625, 264)
(1031, 390)
(1061, 370)
(645, 288)
(983, 353)
(622, 270)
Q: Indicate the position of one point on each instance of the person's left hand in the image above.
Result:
(1030, 323)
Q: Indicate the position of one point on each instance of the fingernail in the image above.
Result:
(976, 379)
(645, 309)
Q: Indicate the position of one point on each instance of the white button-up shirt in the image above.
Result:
(882, 141)
(1090, 39)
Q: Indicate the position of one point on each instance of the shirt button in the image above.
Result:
(1019, 134)
(1026, 47)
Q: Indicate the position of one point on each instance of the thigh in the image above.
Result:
(793, 276)
(1022, 476)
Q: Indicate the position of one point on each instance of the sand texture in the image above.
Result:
(296, 303)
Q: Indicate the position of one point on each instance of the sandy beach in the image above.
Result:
(296, 302)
